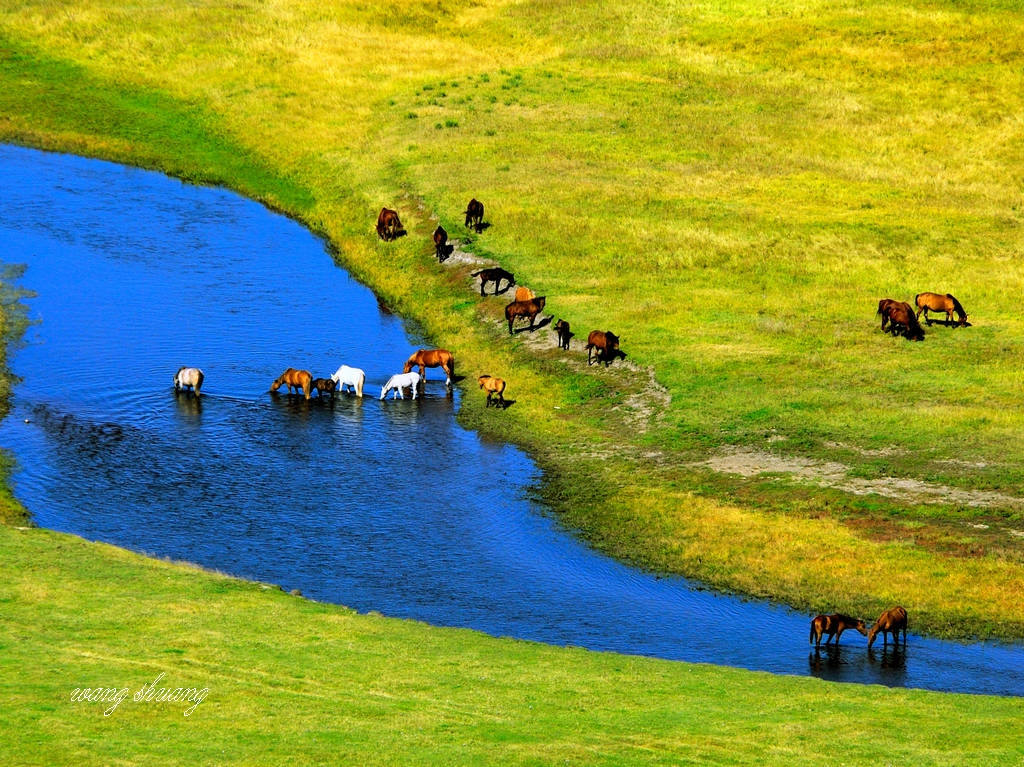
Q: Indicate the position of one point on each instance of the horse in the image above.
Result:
(294, 379)
(188, 378)
(523, 293)
(400, 381)
(493, 386)
(562, 329)
(323, 386)
(388, 224)
(606, 344)
(530, 309)
(834, 625)
(495, 274)
(475, 214)
(937, 302)
(440, 242)
(432, 358)
(901, 319)
(891, 621)
(346, 376)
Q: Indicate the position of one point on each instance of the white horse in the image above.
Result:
(188, 378)
(346, 376)
(398, 382)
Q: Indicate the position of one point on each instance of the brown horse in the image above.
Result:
(324, 386)
(475, 214)
(494, 274)
(440, 243)
(833, 625)
(530, 309)
(493, 386)
(891, 621)
(562, 329)
(606, 344)
(432, 358)
(388, 224)
(937, 302)
(294, 379)
(901, 318)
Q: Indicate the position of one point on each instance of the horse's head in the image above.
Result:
(408, 366)
(859, 625)
(612, 340)
(277, 383)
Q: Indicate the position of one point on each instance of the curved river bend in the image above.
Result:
(137, 274)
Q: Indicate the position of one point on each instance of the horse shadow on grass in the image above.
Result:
(446, 252)
(946, 323)
(542, 323)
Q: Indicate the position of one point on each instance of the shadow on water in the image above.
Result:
(386, 506)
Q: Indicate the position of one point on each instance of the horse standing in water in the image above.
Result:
(891, 621)
(432, 358)
(346, 376)
(188, 378)
(294, 379)
(938, 302)
(324, 386)
(834, 625)
(400, 381)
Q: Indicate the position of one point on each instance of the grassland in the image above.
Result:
(728, 186)
(289, 681)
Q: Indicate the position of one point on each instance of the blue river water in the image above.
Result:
(386, 506)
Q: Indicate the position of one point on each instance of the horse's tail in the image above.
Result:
(199, 381)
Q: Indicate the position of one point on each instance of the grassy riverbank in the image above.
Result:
(293, 681)
(731, 187)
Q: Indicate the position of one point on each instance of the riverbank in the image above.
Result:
(272, 677)
(344, 132)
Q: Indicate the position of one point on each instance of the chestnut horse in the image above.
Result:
(529, 309)
(834, 625)
(294, 379)
(606, 344)
(938, 302)
(440, 242)
(495, 274)
(475, 214)
(388, 224)
(324, 386)
(432, 358)
(493, 386)
(901, 318)
(188, 378)
(891, 621)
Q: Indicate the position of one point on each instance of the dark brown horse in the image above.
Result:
(294, 379)
(892, 621)
(324, 386)
(494, 274)
(432, 358)
(440, 243)
(938, 302)
(529, 309)
(475, 214)
(562, 329)
(493, 386)
(833, 625)
(606, 344)
(901, 318)
(388, 224)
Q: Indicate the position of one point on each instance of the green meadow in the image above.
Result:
(730, 187)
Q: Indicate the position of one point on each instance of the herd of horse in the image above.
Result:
(891, 621)
(904, 319)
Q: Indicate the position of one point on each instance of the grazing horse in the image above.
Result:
(398, 382)
(891, 621)
(495, 274)
(562, 329)
(937, 302)
(432, 358)
(606, 344)
(834, 625)
(523, 293)
(475, 214)
(294, 379)
(388, 224)
(323, 386)
(188, 378)
(346, 376)
(493, 386)
(440, 242)
(901, 318)
(530, 308)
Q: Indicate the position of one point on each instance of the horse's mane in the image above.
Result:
(956, 305)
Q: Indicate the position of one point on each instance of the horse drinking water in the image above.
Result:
(294, 380)
(188, 378)
(891, 621)
(346, 376)
(834, 625)
(401, 381)
(324, 386)
(432, 358)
